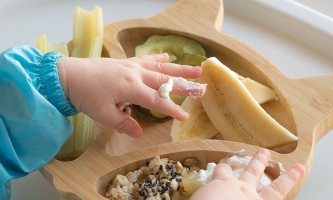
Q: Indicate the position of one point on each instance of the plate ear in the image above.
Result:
(192, 13)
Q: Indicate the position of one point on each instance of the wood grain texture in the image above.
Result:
(305, 107)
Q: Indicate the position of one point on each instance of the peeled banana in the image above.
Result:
(199, 126)
(235, 112)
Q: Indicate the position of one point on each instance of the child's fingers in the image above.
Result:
(281, 186)
(172, 69)
(117, 119)
(163, 57)
(181, 86)
(222, 171)
(254, 170)
(158, 63)
(151, 99)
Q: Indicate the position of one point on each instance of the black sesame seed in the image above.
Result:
(147, 163)
(161, 167)
(178, 188)
(141, 193)
(172, 173)
(157, 173)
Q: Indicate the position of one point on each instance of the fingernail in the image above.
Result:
(135, 132)
(196, 69)
(299, 169)
(186, 114)
(265, 152)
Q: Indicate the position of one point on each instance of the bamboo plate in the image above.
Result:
(304, 108)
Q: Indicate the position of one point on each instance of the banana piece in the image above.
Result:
(199, 126)
(260, 92)
(234, 111)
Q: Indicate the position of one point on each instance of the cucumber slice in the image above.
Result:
(174, 45)
(190, 59)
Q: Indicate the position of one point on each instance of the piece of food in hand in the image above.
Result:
(174, 45)
(235, 112)
(199, 125)
(45, 47)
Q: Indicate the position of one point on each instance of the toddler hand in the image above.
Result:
(99, 86)
(224, 186)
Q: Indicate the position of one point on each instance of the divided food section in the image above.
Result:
(298, 108)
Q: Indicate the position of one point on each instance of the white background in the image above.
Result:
(22, 21)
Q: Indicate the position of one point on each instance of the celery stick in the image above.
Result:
(45, 47)
(88, 33)
(69, 145)
(84, 133)
(87, 42)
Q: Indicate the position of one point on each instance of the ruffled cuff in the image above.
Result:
(52, 87)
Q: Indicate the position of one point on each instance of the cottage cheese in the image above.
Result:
(194, 89)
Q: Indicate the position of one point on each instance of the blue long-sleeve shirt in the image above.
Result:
(33, 110)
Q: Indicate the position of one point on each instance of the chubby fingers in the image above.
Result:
(158, 63)
(222, 172)
(281, 186)
(113, 117)
(163, 57)
(151, 99)
(255, 169)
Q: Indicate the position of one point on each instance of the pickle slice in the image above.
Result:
(174, 45)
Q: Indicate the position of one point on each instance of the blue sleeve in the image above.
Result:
(33, 110)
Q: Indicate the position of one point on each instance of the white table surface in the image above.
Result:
(22, 21)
